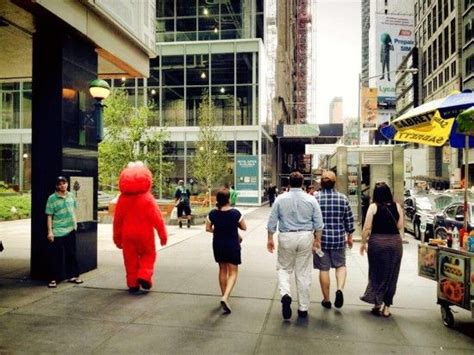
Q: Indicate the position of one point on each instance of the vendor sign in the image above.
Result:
(435, 134)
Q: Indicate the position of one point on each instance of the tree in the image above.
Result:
(209, 164)
(129, 138)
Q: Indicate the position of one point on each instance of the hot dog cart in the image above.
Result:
(453, 270)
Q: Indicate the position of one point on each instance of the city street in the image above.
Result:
(181, 314)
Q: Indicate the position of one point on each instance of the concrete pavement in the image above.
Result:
(181, 314)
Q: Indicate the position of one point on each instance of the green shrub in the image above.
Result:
(22, 204)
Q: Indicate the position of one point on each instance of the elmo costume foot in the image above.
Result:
(144, 284)
(133, 289)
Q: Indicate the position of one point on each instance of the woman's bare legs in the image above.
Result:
(231, 280)
(223, 271)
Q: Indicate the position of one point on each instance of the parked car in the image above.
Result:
(453, 216)
(420, 211)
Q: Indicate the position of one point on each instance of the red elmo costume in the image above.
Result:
(136, 215)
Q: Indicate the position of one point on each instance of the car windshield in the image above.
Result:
(433, 202)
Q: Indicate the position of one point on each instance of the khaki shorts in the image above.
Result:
(332, 258)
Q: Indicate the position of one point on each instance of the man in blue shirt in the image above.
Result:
(338, 221)
(298, 218)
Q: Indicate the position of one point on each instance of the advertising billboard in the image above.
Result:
(394, 40)
(368, 108)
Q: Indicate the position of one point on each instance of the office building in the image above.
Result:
(336, 110)
(49, 53)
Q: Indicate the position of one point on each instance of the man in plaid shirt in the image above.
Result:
(338, 223)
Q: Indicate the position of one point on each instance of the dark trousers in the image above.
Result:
(63, 252)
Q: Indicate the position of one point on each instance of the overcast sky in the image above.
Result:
(338, 47)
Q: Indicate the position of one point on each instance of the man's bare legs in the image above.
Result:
(325, 283)
(341, 273)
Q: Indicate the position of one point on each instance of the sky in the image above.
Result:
(338, 51)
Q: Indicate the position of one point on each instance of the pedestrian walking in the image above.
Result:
(338, 225)
(299, 221)
(224, 223)
(62, 224)
(183, 204)
(272, 191)
(136, 217)
(234, 195)
(382, 241)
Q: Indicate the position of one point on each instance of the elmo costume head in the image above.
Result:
(136, 178)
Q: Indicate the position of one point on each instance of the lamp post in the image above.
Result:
(99, 90)
(407, 70)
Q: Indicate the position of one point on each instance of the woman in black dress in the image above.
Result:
(224, 222)
(382, 224)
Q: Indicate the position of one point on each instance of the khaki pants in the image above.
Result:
(295, 255)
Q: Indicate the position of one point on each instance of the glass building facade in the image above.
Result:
(204, 47)
(15, 135)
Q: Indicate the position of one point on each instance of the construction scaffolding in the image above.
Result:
(303, 18)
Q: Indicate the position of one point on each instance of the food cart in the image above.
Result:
(453, 270)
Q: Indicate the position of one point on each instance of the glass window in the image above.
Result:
(453, 69)
(10, 165)
(26, 107)
(440, 48)
(223, 99)
(9, 107)
(165, 30)
(231, 27)
(446, 42)
(197, 69)
(165, 8)
(208, 27)
(244, 68)
(453, 36)
(451, 211)
(186, 8)
(222, 67)
(440, 12)
(172, 70)
(186, 29)
(194, 97)
(172, 106)
(244, 147)
(244, 105)
(434, 17)
(435, 54)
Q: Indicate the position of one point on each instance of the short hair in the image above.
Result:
(382, 193)
(222, 198)
(296, 179)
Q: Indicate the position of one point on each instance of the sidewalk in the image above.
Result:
(181, 314)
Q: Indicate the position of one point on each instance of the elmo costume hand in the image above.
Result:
(136, 217)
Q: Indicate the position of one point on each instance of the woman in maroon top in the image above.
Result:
(224, 223)
(383, 222)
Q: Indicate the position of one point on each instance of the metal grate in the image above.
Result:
(375, 157)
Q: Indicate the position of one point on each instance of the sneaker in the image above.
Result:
(326, 304)
(180, 224)
(302, 314)
(52, 284)
(286, 307)
(339, 299)
(189, 223)
(225, 307)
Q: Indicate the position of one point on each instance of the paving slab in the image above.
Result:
(181, 314)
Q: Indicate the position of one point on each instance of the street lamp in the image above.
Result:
(99, 90)
(413, 71)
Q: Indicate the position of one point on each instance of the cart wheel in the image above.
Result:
(447, 315)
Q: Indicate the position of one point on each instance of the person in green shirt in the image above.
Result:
(233, 196)
(61, 219)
